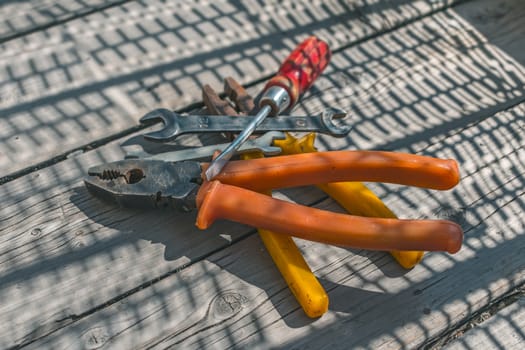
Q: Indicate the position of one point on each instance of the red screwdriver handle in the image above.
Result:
(301, 68)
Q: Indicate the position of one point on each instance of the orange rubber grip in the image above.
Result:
(355, 197)
(219, 201)
(336, 166)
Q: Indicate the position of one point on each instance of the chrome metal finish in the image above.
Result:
(277, 98)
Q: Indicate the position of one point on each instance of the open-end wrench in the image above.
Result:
(261, 144)
(177, 124)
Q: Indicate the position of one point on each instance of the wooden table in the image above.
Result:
(441, 78)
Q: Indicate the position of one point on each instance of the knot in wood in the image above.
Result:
(227, 304)
(36, 232)
(457, 215)
(94, 338)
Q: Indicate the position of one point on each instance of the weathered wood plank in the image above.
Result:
(23, 16)
(234, 298)
(457, 76)
(504, 330)
(55, 244)
(73, 255)
(89, 78)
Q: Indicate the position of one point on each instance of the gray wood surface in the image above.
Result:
(79, 273)
(504, 330)
(67, 86)
(20, 17)
(235, 297)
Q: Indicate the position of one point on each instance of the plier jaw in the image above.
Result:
(141, 183)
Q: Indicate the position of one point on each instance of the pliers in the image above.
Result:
(355, 197)
(232, 196)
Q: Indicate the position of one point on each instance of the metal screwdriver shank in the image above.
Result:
(296, 74)
(223, 158)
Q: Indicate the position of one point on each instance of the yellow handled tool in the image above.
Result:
(355, 197)
(296, 272)
(287, 257)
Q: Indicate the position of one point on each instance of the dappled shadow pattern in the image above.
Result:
(431, 87)
(67, 86)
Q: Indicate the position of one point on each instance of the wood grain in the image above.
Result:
(81, 273)
(234, 298)
(22, 17)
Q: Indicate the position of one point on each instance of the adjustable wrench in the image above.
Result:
(176, 124)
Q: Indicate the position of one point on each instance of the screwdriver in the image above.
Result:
(296, 74)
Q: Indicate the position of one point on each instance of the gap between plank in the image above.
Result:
(483, 314)
(480, 316)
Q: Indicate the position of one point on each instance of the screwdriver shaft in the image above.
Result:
(223, 158)
(296, 74)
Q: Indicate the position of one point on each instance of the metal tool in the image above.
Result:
(261, 144)
(355, 197)
(282, 248)
(154, 183)
(175, 124)
(244, 103)
(296, 75)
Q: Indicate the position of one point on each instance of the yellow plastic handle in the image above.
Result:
(300, 279)
(358, 199)
(302, 282)
(220, 201)
(337, 166)
(355, 197)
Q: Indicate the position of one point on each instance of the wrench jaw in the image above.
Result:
(146, 184)
(171, 128)
(328, 117)
(264, 143)
(176, 124)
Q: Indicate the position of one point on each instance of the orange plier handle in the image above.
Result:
(232, 197)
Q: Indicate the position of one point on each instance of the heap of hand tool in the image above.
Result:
(240, 190)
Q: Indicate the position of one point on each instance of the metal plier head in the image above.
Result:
(146, 183)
